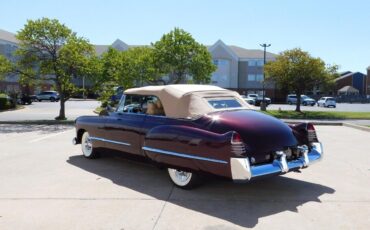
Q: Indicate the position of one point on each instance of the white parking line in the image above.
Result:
(48, 136)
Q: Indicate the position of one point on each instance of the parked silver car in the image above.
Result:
(305, 100)
(327, 102)
(48, 95)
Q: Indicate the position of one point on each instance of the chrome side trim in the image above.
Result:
(109, 141)
(184, 155)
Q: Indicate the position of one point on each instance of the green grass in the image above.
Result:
(319, 115)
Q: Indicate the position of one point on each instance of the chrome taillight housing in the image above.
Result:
(311, 133)
(237, 144)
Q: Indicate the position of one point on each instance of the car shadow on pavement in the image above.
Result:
(43, 129)
(240, 204)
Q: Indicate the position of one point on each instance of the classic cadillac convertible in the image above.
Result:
(197, 129)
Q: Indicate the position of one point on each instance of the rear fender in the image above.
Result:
(301, 134)
(189, 148)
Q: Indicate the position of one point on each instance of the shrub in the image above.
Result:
(5, 102)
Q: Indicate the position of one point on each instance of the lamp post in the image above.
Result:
(263, 103)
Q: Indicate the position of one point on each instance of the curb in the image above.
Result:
(326, 123)
(359, 127)
(39, 122)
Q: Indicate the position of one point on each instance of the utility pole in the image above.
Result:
(263, 103)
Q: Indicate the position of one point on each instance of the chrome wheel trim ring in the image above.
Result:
(180, 178)
(86, 145)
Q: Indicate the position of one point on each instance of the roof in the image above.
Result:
(8, 36)
(120, 45)
(250, 53)
(177, 90)
(344, 73)
(186, 101)
(348, 88)
(348, 74)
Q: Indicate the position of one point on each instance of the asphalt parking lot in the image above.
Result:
(45, 183)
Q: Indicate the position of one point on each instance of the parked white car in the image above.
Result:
(327, 102)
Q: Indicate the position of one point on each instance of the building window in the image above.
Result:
(259, 77)
(255, 77)
(221, 77)
(252, 63)
(251, 77)
(255, 62)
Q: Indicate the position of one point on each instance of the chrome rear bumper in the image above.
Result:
(241, 170)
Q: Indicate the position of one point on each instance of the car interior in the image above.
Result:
(150, 105)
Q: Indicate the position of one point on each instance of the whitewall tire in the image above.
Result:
(87, 146)
(183, 179)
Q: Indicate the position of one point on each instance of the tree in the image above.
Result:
(129, 68)
(49, 50)
(296, 70)
(5, 66)
(141, 66)
(178, 54)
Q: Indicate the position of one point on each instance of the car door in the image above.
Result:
(123, 128)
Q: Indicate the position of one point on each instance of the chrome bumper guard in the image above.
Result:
(241, 170)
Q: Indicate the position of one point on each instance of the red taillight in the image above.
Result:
(237, 144)
(311, 132)
(236, 138)
(310, 127)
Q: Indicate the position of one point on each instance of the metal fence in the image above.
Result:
(352, 99)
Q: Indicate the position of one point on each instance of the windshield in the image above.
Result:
(224, 103)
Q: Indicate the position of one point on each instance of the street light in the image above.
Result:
(263, 104)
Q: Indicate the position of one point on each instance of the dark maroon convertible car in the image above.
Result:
(197, 129)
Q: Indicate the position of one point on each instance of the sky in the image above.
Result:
(336, 31)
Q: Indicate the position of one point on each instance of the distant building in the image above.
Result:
(356, 80)
(8, 44)
(240, 69)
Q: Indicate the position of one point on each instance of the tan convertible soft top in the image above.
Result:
(187, 101)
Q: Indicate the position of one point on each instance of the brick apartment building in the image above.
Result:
(355, 79)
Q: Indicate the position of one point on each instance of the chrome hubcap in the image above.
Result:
(181, 175)
(87, 146)
(180, 178)
(88, 143)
